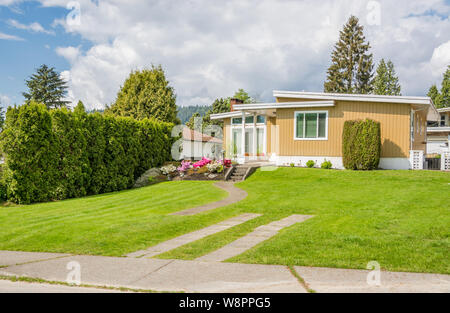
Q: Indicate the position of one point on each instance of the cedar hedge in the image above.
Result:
(59, 154)
(361, 145)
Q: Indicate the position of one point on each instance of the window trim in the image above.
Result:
(304, 125)
(247, 124)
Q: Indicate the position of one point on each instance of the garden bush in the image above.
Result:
(59, 154)
(326, 165)
(361, 145)
(310, 164)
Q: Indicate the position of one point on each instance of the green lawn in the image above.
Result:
(399, 218)
(107, 224)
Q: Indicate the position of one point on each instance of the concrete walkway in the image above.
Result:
(194, 276)
(163, 275)
(235, 195)
(193, 236)
(7, 286)
(259, 235)
(332, 280)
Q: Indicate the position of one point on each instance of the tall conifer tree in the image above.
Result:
(351, 70)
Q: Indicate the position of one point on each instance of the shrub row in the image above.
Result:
(361, 145)
(59, 154)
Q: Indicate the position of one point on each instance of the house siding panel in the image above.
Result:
(394, 119)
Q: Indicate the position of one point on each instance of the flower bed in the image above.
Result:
(205, 169)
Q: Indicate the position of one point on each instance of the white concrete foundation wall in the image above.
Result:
(395, 164)
(301, 161)
(385, 163)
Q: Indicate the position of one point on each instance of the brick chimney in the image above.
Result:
(234, 101)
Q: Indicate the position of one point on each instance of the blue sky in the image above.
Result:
(210, 49)
(20, 58)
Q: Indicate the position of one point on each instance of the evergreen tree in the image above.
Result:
(2, 117)
(445, 90)
(146, 94)
(441, 99)
(47, 87)
(185, 113)
(386, 81)
(434, 94)
(351, 70)
(219, 106)
(79, 109)
(241, 94)
(191, 122)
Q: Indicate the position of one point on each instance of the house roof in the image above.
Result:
(193, 135)
(443, 110)
(351, 97)
(283, 105)
(270, 106)
(319, 99)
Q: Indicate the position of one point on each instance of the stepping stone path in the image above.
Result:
(259, 235)
(193, 236)
(235, 195)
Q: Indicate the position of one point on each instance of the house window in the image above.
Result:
(260, 119)
(311, 125)
(442, 120)
(236, 121)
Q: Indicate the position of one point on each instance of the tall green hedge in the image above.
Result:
(361, 145)
(59, 154)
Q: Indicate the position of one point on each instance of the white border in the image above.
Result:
(304, 125)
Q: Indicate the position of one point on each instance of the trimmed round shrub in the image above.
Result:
(326, 165)
(310, 164)
(361, 145)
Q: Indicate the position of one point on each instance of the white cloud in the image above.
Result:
(209, 49)
(4, 36)
(70, 53)
(440, 59)
(9, 2)
(5, 101)
(33, 27)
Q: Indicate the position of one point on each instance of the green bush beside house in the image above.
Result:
(361, 145)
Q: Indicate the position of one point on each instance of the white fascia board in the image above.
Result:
(438, 129)
(351, 97)
(284, 105)
(443, 110)
(221, 116)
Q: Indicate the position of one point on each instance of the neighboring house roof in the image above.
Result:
(193, 135)
(443, 110)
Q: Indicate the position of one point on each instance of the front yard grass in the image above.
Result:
(399, 218)
(108, 224)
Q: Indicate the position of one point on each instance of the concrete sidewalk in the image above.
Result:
(195, 276)
(162, 275)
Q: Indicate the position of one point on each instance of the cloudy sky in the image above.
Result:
(208, 48)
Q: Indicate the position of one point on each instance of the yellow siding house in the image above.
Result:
(302, 126)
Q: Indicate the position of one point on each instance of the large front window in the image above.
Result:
(311, 125)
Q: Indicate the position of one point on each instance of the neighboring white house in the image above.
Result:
(438, 133)
(197, 145)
